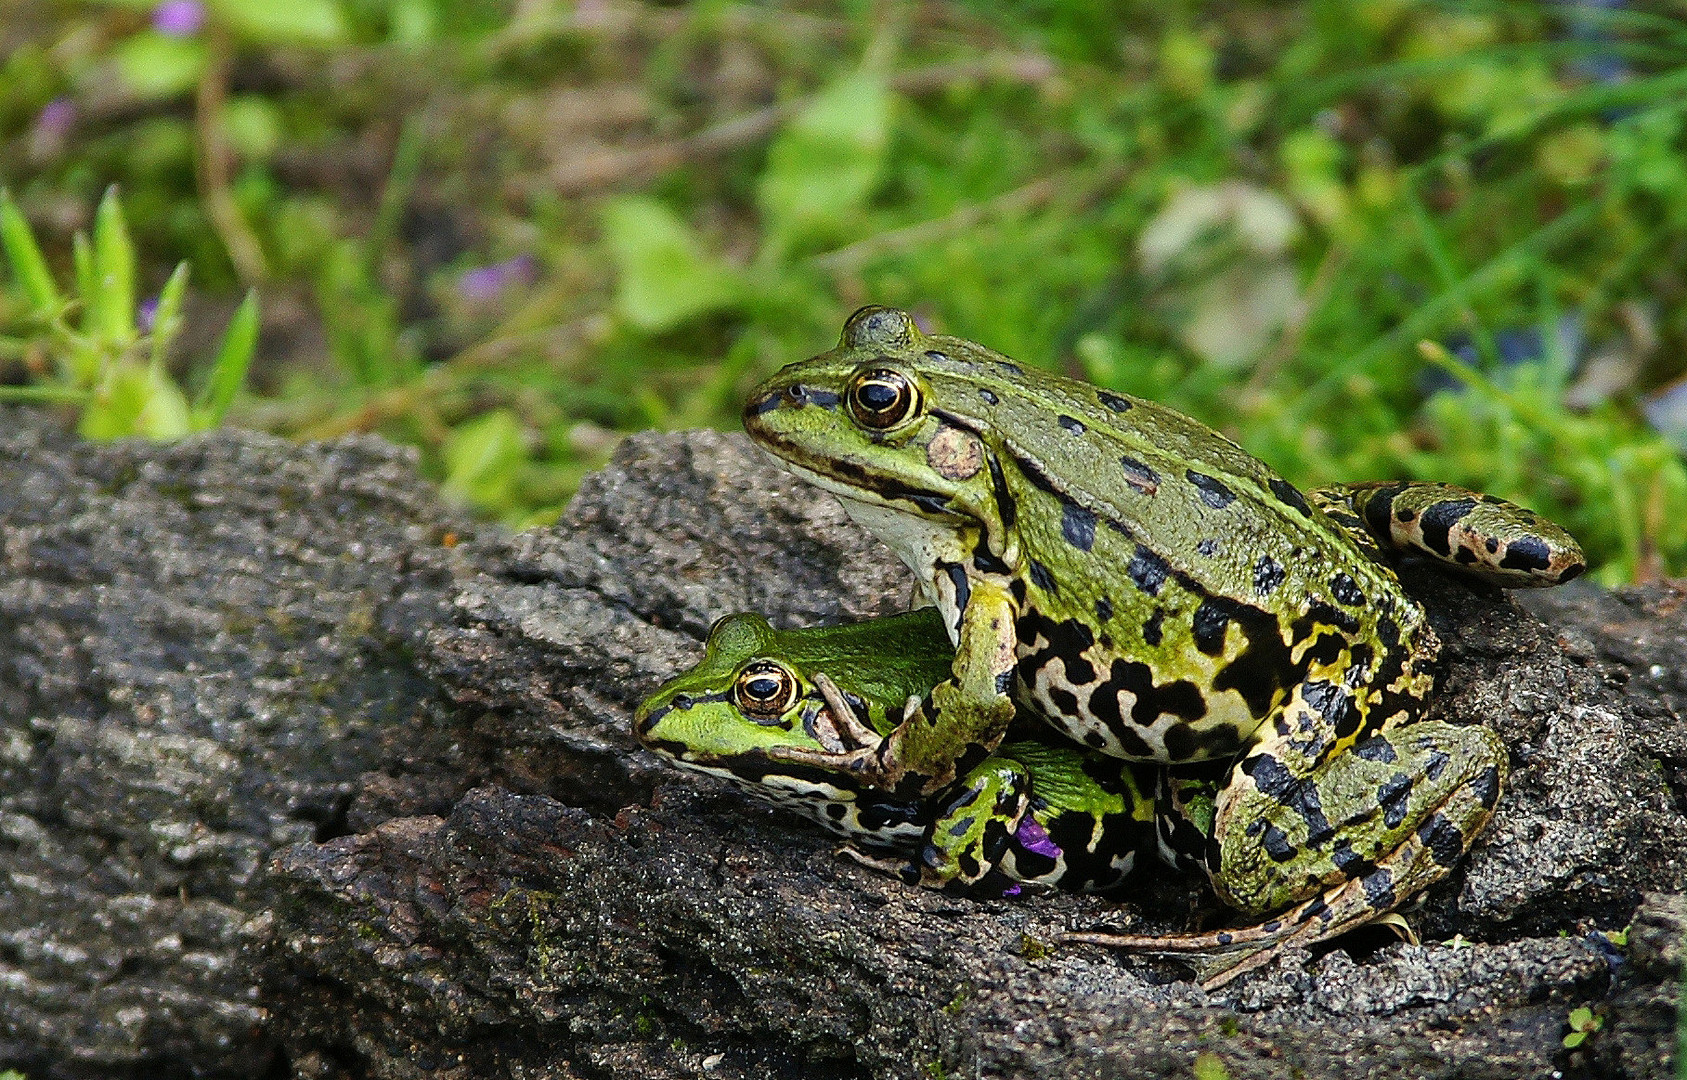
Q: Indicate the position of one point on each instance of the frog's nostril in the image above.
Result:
(796, 393)
(682, 702)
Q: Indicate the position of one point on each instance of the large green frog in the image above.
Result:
(1038, 810)
(1151, 589)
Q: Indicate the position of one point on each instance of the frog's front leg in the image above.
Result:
(971, 832)
(962, 720)
(1335, 844)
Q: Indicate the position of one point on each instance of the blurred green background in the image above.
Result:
(1365, 238)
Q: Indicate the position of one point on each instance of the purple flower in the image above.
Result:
(486, 282)
(147, 315)
(1035, 839)
(179, 18)
(55, 118)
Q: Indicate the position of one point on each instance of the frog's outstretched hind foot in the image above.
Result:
(1231, 953)
(1343, 907)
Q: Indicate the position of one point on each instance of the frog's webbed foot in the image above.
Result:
(850, 745)
(847, 728)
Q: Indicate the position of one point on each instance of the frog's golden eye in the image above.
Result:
(764, 690)
(880, 398)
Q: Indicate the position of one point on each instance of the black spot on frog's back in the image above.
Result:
(1346, 590)
(1290, 495)
(1148, 570)
(1140, 475)
(1077, 525)
(1153, 630)
(1212, 490)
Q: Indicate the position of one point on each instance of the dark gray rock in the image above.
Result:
(202, 649)
(244, 687)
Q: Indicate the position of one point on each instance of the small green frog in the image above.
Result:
(1152, 590)
(1039, 810)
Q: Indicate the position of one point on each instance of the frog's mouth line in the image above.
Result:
(891, 494)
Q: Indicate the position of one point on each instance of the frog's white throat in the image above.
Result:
(918, 541)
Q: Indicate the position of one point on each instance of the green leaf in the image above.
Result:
(167, 319)
(296, 22)
(157, 66)
(412, 22)
(165, 414)
(824, 165)
(24, 255)
(135, 399)
(664, 276)
(252, 124)
(482, 458)
(228, 371)
(112, 302)
(82, 255)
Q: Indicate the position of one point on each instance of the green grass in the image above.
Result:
(611, 216)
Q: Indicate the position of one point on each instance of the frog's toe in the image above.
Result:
(903, 868)
(1218, 958)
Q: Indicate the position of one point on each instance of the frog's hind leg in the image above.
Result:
(1480, 536)
(1338, 845)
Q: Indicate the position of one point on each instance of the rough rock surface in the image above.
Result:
(300, 775)
(203, 647)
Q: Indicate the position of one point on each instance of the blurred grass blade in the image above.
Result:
(167, 319)
(1423, 320)
(44, 394)
(82, 255)
(24, 255)
(165, 414)
(112, 302)
(228, 371)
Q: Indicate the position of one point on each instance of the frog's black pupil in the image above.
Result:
(763, 688)
(878, 396)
